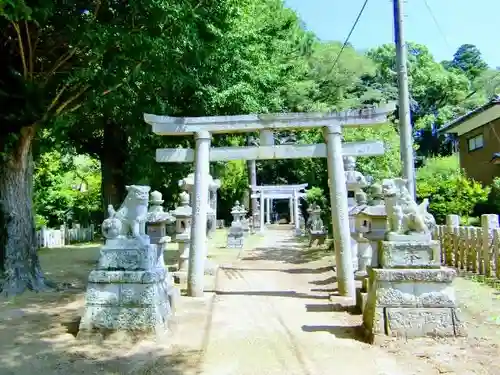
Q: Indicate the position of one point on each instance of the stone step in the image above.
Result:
(409, 254)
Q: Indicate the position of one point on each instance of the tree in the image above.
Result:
(59, 55)
(468, 59)
(436, 94)
(67, 189)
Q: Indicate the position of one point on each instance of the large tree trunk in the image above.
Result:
(113, 160)
(19, 263)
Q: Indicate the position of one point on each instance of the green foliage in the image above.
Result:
(234, 184)
(436, 94)
(493, 202)
(316, 195)
(448, 189)
(67, 189)
(468, 60)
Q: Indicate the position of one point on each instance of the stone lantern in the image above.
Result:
(315, 225)
(213, 187)
(157, 220)
(256, 215)
(183, 215)
(187, 184)
(355, 182)
(245, 223)
(371, 223)
(236, 232)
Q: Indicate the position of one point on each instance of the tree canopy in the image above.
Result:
(77, 77)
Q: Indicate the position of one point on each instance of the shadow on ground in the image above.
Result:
(40, 339)
(38, 330)
(318, 270)
(344, 332)
(292, 254)
(278, 293)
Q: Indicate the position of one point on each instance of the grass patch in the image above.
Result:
(481, 279)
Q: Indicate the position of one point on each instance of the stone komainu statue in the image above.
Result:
(405, 216)
(131, 217)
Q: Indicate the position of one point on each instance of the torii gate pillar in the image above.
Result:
(339, 211)
(198, 246)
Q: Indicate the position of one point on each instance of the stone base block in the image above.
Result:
(412, 287)
(361, 298)
(136, 301)
(235, 242)
(319, 237)
(413, 322)
(415, 237)
(116, 256)
(411, 303)
(409, 254)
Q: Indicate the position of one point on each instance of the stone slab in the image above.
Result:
(143, 258)
(361, 298)
(373, 320)
(156, 232)
(186, 155)
(439, 275)
(134, 295)
(133, 277)
(415, 237)
(412, 288)
(115, 318)
(409, 254)
(235, 242)
(166, 125)
(411, 322)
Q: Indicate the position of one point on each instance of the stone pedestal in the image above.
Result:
(183, 244)
(364, 255)
(355, 182)
(411, 294)
(236, 232)
(245, 225)
(157, 220)
(409, 254)
(316, 229)
(129, 291)
(183, 216)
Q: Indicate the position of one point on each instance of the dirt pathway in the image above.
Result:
(272, 317)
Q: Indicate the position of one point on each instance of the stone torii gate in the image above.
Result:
(268, 192)
(333, 149)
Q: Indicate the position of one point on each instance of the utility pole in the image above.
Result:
(405, 128)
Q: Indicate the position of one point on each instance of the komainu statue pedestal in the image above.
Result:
(409, 293)
(130, 290)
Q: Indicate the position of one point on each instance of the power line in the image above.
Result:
(438, 26)
(348, 36)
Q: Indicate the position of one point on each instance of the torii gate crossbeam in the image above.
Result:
(332, 123)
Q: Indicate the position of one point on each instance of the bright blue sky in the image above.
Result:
(461, 21)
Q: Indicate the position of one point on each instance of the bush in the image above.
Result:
(448, 189)
(492, 206)
(316, 195)
(67, 189)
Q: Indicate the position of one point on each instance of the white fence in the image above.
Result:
(51, 238)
